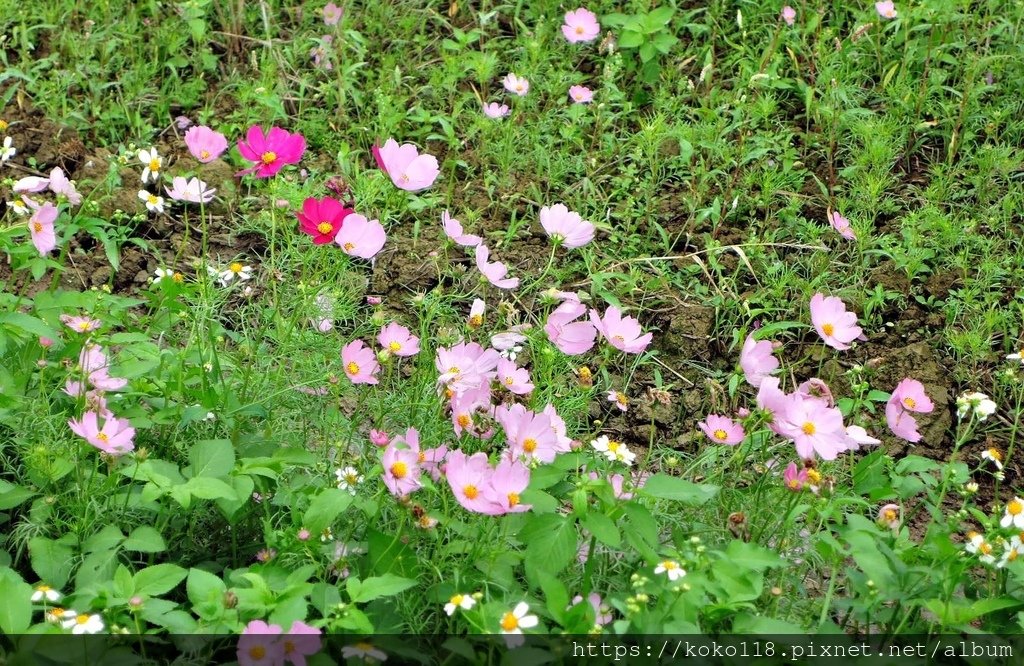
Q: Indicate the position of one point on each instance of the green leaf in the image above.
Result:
(208, 488)
(388, 585)
(51, 560)
(752, 556)
(108, 538)
(12, 495)
(324, 508)
(243, 485)
(641, 530)
(145, 539)
(211, 458)
(631, 40)
(158, 579)
(556, 597)
(202, 586)
(551, 543)
(28, 324)
(663, 486)
(660, 16)
(15, 603)
(603, 528)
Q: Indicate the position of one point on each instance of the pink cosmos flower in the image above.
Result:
(757, 360)
(476, 313)
(860, 436)
(581, 26)
(469, 478)
(722, 430)
(623, 333)
(771, 398)
(816, 389)
(60, 185)
(516, 84)
(206, 145)
(834, 324)
(259, 645)
(322, 218)
(332, 13)
(398, 340)
(432, 460)
(472, 412)
(380, 438)
(565, 331)
(594, 599)
(508, 481)
(453, 229)
(182, 122)
(360, 237)
(795, 478)
(620, 400)
(270, 152)
(563, 443)
(40, 226)
(192, 190)
(31, 184)
(401, 470)
(529, 435)
(507, 341)
(115, 437)
(842, 225)
(405, 166)
(495, 110)
(886, 10)
(788, 15)
(813, 427)
(319, 53)
(908, 396)
(301, 641)
(360, 363)
(465, 366)
(81, 323)
(374, 300)
(581, 94)
(495, 272)
(514, 378)
(566, 227)
(94, 364)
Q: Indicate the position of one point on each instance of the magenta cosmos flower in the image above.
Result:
(722, 430)
(453, 229)
(567, 332)
(205, 144)
(842, 225)
(40, 226)
(757, 360)
(360, 363)
(566, 227)
(191, 190)
(788, 15)
(260, 645)
(581, 94)
(886, 10)
(398, 340)
(301, 641)
(401, 470)
(623, 333)
(516, 84)
(837, 327)
(495, 110)
(496, 272)
(405, 166)
(580, 26)
(322, 218)
(360, 237)
(908, 396)
(115, 437)
(270, 152)
(795, 478)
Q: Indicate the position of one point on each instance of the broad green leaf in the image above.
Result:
(145, 539)
(211, 458)
(631, 40)
(324, 508)
(51, 560)
(551, 542)
(752, 556)
(15, 602)
(603, 528)
(205, 487)
(158, 579)
(12, 495)
(663, 486)
(388, 585)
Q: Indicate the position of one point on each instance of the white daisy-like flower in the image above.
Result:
(995, 456)
(235, 270)
(8, 150)
(327, 535)
(977, 403)
(348, 479)
(670, 568)
(463, 601)
(1014, 548)
(613, 450)
(1014, 514)
(20, 206)
(154, 203)
(364, 651)
(977, 545)
(1016, 356)
(46, 592)
(82, 623)
(513, 622)
(161, 273)
(153, 163)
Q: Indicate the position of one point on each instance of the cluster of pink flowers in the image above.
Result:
(115, 436)
(573, 335)
(43, 215)
(263, 644)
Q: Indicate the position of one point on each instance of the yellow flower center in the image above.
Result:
(82, 619)
(351, 479)
(720, 434)
(519, 87)
(476, 320)
(814, 476)
(889, 515)
(349, 246)
(579, 30)
(972, 534)
(613, 446)
(1012, 555)
(324, 227)
(154, 164)
(289, 646)
(365, 647)
(422, 456)
(808, 428)
(37, 227)
(1014, 508)
(985, 548)
(103, 437)
(178, 277)
(471, 492)
(509, 381)
(530, 445)
(669, 565)
(235, 268)
(513, 499)
(204, 154)
(995, 454)
(352, 368)
(828, 329)
(910, 402)
(463, 420)
(399, 470)
(794, 484)
(457, 599)
(395, 346)
(84, 326)
(268, 157)
(43, 588)
(257, 652)
(509, 622)
(152, 199)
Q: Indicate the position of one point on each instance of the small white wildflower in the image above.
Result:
(671, 569)
(348, 479)
(153, 163)
(463, 601)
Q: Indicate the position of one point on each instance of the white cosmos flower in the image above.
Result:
(463, 601)
(671, 569)
(614, 451)
(233, 271)
(154, 203)
(979, 546)
(364, 651)
(513, 622)
(152, 162)
(348, 479)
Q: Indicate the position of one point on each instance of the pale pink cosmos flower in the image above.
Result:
(620, 400)
(513, 378)
(507, 483)
(95, 364)
(860, 436)
(565, 227)
(623, 333)
(722, 430)
(60, 185)
(332, 13)
(495, 110)
(453, 229)
(495, 272)
(795, 478)
(379, 438)
(405, 166)
(771, 398)
(886, 9)
(594, 599)
(476, 314)
(581, 94)
(757, 360)
(908, 396)
(398, 340)
(374, 300)
(205, 144)
(40, 226)
(182, 122)
(529, 435)
(581, 26)
(401, 470)
(31, 184)
(567, 332)
(270, 152)
(360, 363)
(516, 84)
(301, 641)
(816, 389)
(81, 323)
(889, 516)
(469, 478)
(788, 15)
(842, 225)
(260, 645)
(360, 237)
(465, 366)
(563, 443)
(813, 427)
(115, 437)
(319, 53)
(472, 412)
(507, 340)
(192, 190)
(837, 327)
